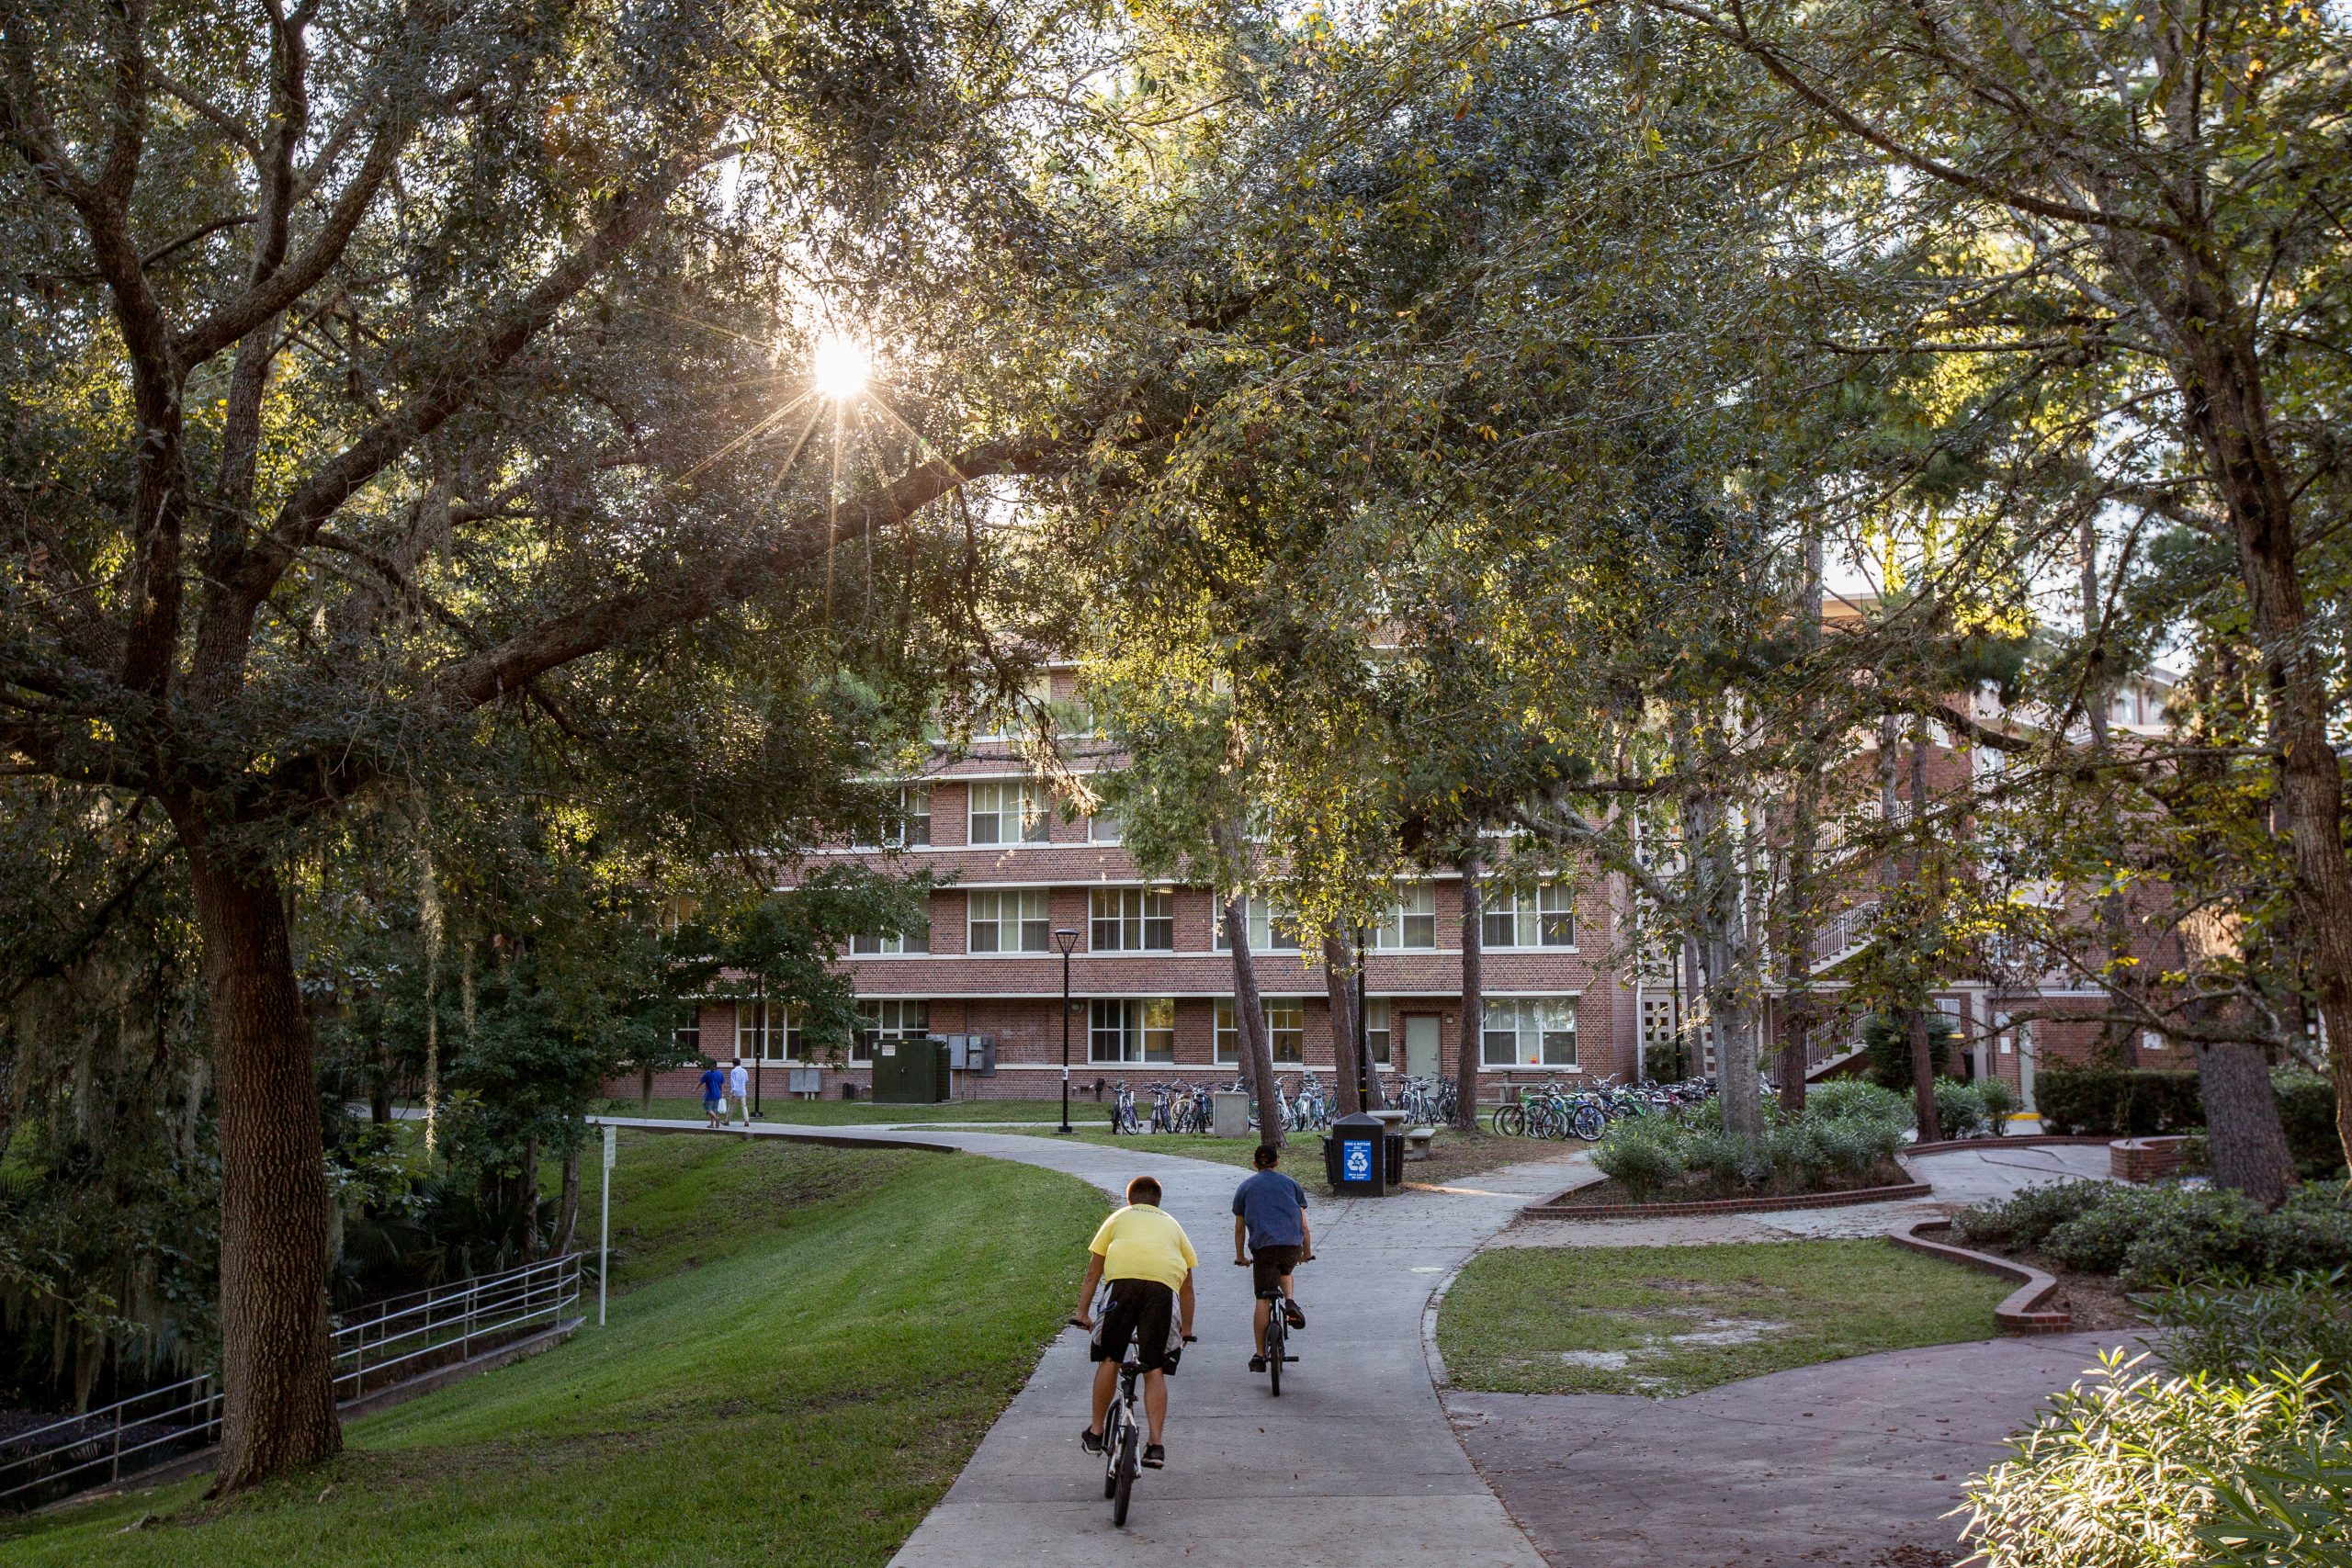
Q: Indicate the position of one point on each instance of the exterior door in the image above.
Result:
(1420, 1045)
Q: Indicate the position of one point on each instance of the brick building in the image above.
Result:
(1151, 982)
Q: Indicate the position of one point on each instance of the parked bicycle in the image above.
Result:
(1123, 1110)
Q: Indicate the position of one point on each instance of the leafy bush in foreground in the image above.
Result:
(2130, 1471)
(2303, 1321)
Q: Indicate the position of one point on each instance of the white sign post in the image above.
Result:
(605, 1225)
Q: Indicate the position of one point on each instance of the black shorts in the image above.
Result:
(1269, 1264)
(1140, 1311)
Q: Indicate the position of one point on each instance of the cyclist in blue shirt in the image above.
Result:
(714, 1095)
(1269, 1219)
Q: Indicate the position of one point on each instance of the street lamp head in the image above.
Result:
(1067, 940)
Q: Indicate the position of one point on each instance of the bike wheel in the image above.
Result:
(1509, 1122)
(1111, 1459)
(1590, 1125)
(1277, 1334)
(1130, 1461)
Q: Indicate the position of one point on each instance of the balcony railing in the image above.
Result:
(400, 1339)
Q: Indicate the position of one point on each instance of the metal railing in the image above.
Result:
(400, 1339)
(1844, 934)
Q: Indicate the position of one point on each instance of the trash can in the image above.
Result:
(1393, 1142)
(849, 1088)
(1355, 1156)
(1228, 1114)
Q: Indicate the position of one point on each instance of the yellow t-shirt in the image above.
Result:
(1141, 1242)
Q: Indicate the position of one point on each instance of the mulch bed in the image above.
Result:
(2099, 1304)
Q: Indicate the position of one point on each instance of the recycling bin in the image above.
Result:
(1355, 1156)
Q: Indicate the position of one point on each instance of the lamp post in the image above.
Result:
(1364, 1072)
(1066, 940)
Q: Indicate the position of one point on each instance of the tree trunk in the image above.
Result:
(2219, 371)
(567, 1218)
(534, 1244)
(1923, 1075)
(276, 1370)
(1250, 1021)
(2247, 1140)
(645, 1089)
(1801, 928)
(1474, 988)
(1340, 990)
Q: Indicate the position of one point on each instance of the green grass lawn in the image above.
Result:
(781, 1108)
(1672, 1320)
(808, 1345)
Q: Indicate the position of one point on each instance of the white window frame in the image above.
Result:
(1133, 913)
(1131, 1030)
(1022, 800)
(1379, 1029)
(1271, 929)
(1105, 827)
(1524, 917)
(913, 829)
(1526, 1032)
(1290, 1027)
(889, 1019)
(764, 1032)
(1410, 923)
(1029, 910)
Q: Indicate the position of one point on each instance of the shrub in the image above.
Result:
(2128, 1471)
(2022, 1222)
(2150, 1236)
(2311, 1231)
(2239, 1326)
(1842, 1099)
(1852, 1146)
(1640, 1155)
(2306, 1110)
(1887, 1042)
(2118, 1103)
(2001, 1102)
(1713, 1154)
(1959, 1108)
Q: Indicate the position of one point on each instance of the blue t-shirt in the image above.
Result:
(714, 1084)
(1270, 1205)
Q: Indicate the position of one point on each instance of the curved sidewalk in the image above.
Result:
(1355, 1462)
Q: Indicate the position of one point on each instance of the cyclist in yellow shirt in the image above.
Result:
(1148, 1259)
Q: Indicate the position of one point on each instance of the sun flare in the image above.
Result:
(840, 367)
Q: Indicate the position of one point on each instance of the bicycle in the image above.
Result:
(1277, 1329)
(1123, 1112)
(1123, 1434)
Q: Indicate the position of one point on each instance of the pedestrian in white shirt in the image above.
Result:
(739, 1087)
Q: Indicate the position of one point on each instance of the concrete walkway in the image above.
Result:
(1846, 1464)
(1355, 1461)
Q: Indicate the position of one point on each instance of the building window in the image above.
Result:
(1132, 920)
(887, 1019)
(913, 826)
(1285, 1032)
(1529, 1032)
(1014, 716)
(763, 1032)
(1545, 916)
(1134, 1029)
(687, 1037)
(1010, 922)
(1411, 921)
(916, 938)
(1105, 827)
(1009, 811)
(1375, 1028)
(1271, 930)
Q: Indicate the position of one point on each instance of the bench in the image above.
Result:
(1418, 1141)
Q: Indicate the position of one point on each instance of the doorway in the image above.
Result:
(1420, 1045)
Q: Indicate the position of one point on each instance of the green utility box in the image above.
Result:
(910, 1072)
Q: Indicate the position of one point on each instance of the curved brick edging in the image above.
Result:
(2020, 1141)
(1553, 1208)
(2022, 1310)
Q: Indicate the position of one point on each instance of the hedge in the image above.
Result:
(2127, 1102)
(2118, 1103)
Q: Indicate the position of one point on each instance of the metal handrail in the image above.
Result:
(184, 1416)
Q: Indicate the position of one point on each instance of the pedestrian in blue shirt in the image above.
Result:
(1269, 1219)
(714, 1095)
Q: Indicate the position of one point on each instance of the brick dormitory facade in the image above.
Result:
(1151, 981)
